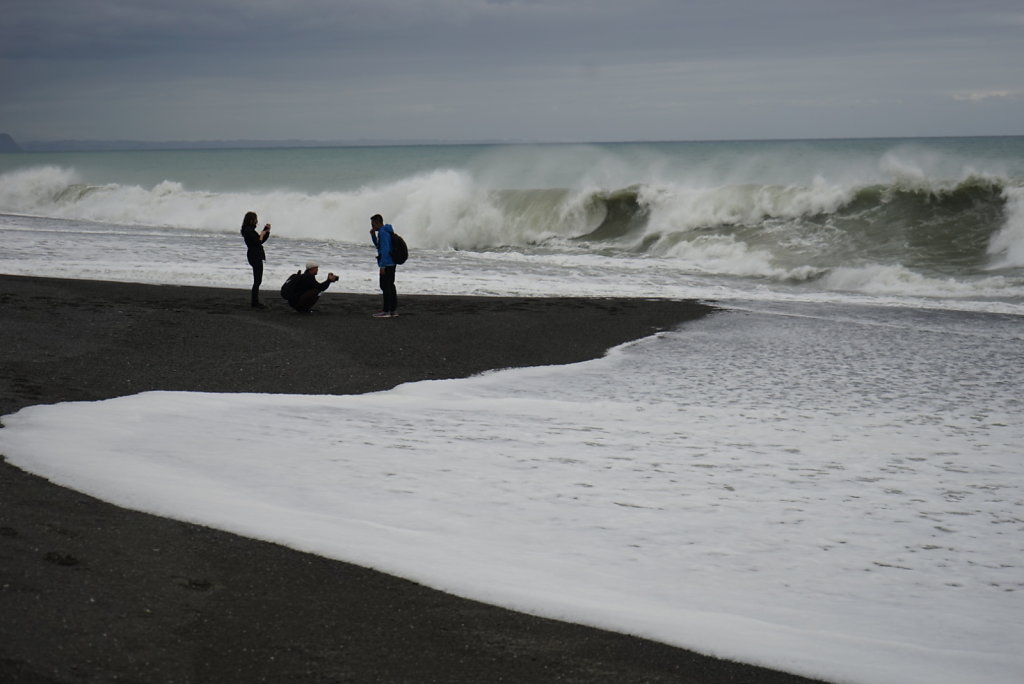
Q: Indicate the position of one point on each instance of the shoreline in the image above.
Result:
(90, 591)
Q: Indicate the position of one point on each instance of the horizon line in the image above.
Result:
(96, 144)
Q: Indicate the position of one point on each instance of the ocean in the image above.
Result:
(825, 477)
(929, 223)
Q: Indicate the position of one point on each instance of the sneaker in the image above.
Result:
(382, 314)
(257, 305)
(394, 314)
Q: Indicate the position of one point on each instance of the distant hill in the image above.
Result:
(7, 144)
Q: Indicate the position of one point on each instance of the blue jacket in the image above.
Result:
(382, 240)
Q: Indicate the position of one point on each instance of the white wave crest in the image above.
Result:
(1007, 246)
(681, 209)
(899, 281)
(931, 170)
(32, 190)
(725, 255)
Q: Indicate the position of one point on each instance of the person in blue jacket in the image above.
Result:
(381, 233)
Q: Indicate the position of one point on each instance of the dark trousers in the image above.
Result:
(306, 301)
(387, 287)
(257, 278)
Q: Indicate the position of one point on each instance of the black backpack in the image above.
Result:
(399, 250)
(289, 285)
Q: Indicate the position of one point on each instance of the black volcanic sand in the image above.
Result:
(91, 592)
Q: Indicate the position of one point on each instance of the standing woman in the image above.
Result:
(254, 253)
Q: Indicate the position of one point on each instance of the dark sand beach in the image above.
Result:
(90, 592)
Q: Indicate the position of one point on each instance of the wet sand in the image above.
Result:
(93, 592)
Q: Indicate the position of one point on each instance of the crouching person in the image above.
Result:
(302, 290)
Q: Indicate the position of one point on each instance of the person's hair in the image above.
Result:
(377, 217)
(250, 219)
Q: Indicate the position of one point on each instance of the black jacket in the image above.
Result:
(307, 282)
(254, 244)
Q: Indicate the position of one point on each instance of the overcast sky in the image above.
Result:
(544, 70)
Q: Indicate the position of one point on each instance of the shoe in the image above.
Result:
(257, 305)
(382, 314)
(394, 314)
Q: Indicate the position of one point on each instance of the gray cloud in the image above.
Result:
(544, 69)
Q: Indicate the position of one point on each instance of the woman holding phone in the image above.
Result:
(254, 253)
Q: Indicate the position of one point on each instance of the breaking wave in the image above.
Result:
(896, 230)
